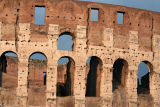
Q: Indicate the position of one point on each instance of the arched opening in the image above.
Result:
(9, 70)
(37, 72)
(8, 78)
(65, 76)
(93, 73)
(144, 70)
(65, 41)
(120, 71)
(144, 81)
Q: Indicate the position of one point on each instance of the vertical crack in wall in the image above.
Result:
(16, 27)
(88, 18)
(152, 34)
(16, 38)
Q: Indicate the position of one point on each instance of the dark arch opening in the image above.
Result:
(36, 80)
(65, 41)
(120, 71)
(144, 72)
(94, 68)
(37, 69)
(65, 76)
(9, 70)
(8, 77)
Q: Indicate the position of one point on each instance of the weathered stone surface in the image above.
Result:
(136, 40)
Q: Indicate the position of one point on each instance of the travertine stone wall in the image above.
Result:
(154, 79)
(138, 39)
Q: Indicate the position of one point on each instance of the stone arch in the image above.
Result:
(66, 41)
(36, 79)
(9, 69)
(65, 76)
(35, 61)
(120, 72)
(144, 75)
(39, 53)
(8, 77)
(93, 75)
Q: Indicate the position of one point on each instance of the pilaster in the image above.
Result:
(154, 75)
(80, 84)
(51, 85)
(106, 85)
(22, 46)
(53, 34)
(131, 85)
(22, 81)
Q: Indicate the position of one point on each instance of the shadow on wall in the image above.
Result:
(144, 75)
(93, 77)
(3, 65)
(36, 79)
(65, 77)
(8, 70)
(8, 78)
(120, 71)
